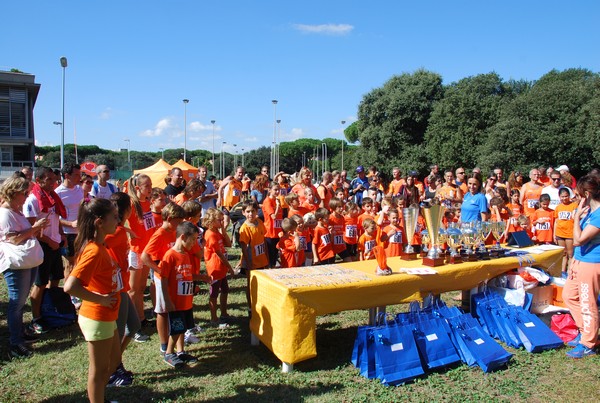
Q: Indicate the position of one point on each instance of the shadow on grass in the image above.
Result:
(270, 393)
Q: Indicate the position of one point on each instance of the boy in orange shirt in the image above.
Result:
(289, 244)
(351, 229)
(252, 242)
(177, 289)
(321, 244)
(367, 208)
(160, 242)
(382, 216)
(394, 233)
(304, 235)
(293, 201)
(336, 227)
(543, 221)
(371, 237)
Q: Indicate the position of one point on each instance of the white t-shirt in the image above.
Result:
(11, 221)
(31, 208)
(554, 197)
(71, 198)
(210, 189)
(103, 192)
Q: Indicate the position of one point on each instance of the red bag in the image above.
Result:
(564, 326)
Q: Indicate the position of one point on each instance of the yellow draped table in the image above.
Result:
(286, 302)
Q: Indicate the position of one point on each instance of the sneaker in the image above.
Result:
(174, 360)
(575, 341)
(37, 327)
(580, 351)
(119, 380)
(30, 338)
(121, 369)
(163, 352)
(140, 337)
(190, 337)
(197, 329)
(19, 351)
(188, 359)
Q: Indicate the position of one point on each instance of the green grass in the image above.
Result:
(232, 370)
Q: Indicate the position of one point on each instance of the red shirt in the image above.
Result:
(160, 242)
(176, 268)
(273, 225)
(214, 243)
(350, 230)
(143, 226)
(289, 254)
(118, 248)
(544, 227)
(336, 224)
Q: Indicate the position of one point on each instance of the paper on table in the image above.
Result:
(418, 270)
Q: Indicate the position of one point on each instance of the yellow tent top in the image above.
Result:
(157, 172)
(189, 171)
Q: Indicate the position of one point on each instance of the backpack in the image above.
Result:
(96, 187)
(57, 308)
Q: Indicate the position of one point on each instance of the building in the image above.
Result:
(18, 93)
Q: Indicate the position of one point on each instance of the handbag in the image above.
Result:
(564, 327)
(27, 255)
(484, 350)
(534, 334)
(434, 343)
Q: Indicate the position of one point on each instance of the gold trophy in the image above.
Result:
(410, 215)
(433, 219)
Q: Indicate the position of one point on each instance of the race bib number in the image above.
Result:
(513, 220)
(303, 244)
(369, 245)
(259, 249)
(326, 239)
(396, 237)
(532, 203)
(278, 223)
(338, 240)
(148, 220)
(236, 193)
(564, 215)
(117, 281)
(185, 288)
(544, 226)
(351, 231)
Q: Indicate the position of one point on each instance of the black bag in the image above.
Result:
(519, 239)
(57, 308)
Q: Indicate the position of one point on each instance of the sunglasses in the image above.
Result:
(555, 179)
(460, 173)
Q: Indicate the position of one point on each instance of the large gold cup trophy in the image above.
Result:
(410, 215)
(433, 218)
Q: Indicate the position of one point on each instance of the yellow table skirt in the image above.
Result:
(286, 302)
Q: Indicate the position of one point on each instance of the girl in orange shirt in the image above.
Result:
(563, 226)
(515, 210)
(351, 211)
(273, 214)
(543, 221)
(97, 281)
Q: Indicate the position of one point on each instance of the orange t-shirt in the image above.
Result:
(305, 245)
(325, 193)
(273, 225)
(299, 190)
(161, 241)
(213, 244)
(563, 216)
(515, 210)
(544, 225)
(531, 198)
(337, 232)
(157, 219)
(395, 186)
(289, 254)
(393, 246)
(143, 227)
(99, 274)
(181, 198)
(283, 191)
(254, 237)
(361, 218)
(350, 230)
(118, 248)
(322, 238)
(417, 238)
(310, 206)
(194, 253)
(176, 268)
(301, 211)
(366, 243)
(232, 193)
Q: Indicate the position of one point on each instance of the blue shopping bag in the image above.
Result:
(396, 356)
(533, 333)
(365, 352)
(458, 324)
(434, 343)
(506, 327)
(484, 350)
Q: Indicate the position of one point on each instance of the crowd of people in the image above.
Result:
(107, 242)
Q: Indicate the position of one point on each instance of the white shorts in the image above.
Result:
(161, 305)
(135, 260)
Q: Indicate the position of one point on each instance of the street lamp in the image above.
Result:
(242, 157)
(343, 123)
(234, 156)
(222, 162)
(277, 147)
(303, 159)
(213, 148)
(185, 102)
(128, 153)
(63, 64)
(61, 131)
(162, 150)
(274, 134)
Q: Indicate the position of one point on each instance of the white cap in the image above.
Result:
(562, 168)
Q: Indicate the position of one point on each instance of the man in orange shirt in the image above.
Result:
(531, 192)
(230, 191)
(460, 180)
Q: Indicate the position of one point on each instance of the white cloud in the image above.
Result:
(325, 29)
(199, 127)
(163, 126)
(293, 134)
(107, 113)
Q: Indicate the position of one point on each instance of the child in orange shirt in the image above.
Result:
(177, 289)
(97, 281)
(252, 242)
(367, 208)
(515, 209)
(293, 200)
(382, 216)
(310, 201)
(289, 244)
(217, 264)
(273, 214)
(321, 244)
(543, 221)
(160, 242)
(499, 213)
(158, 200)
(371, 237)
(394, 233)
(336, 228)
(351, 229)
(304, 235)
(563, 226)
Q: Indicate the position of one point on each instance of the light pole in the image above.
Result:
(162, 150)
(213, 148)
(324, 156)
(63, 64)
(61, 131)
(343, 123)
(128, 153)
(234, 156)
(185, 102)
(242, 157)
(277, 147)
(274, 134)
(222, 162)
(303, 159)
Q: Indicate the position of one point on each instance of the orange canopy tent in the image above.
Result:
(157, 172)
(189, 171)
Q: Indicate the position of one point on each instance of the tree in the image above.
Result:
(351, 132)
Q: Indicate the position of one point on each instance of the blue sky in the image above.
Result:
(131, 63)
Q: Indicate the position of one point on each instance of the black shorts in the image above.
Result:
(51, 268)
(352, 249)
(71, 244)
(180, 321)
(344, 254)
(326, 261)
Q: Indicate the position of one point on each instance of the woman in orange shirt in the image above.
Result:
(97, 281)
(563, 226)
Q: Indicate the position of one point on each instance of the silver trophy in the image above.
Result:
(410, 215)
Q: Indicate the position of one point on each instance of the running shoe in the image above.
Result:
(140, 337)
(19, 351)
(190, 337)
(187, 358)
(38, 327)
(174, 360)
(575, 341)
(119, 380)
(580, 351)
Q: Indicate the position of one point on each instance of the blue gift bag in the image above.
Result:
(366, 353)
(434, 343)
(396, 356)
(488, 354)
(534, 334)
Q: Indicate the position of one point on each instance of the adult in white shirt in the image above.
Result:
(71, 195)
(102, 188)
(208, 198)
(553, 189)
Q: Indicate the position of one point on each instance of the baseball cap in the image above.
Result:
(360, 169)
(563, 168)
(413, 173)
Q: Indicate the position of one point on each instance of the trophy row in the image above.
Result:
(466, 241)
